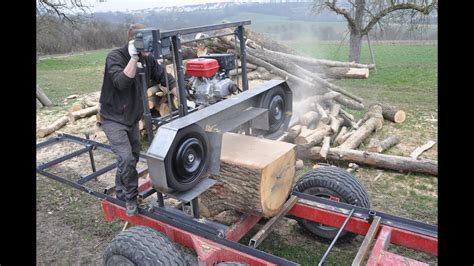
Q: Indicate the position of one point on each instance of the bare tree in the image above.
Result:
(363, 15)
(64, 9)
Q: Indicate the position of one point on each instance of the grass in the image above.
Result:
(61, 77)
(406, 76)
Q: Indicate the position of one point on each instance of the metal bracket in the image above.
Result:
(268, 227)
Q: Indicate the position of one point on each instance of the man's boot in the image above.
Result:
(131, 207)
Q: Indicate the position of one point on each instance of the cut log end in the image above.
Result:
(399, 117)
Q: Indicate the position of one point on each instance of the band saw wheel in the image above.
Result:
(188, 158)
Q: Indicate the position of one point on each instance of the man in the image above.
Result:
(122, 107)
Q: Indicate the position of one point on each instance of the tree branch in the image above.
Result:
(403, 6)
(341, 11)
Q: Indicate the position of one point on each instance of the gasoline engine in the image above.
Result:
(209, 80)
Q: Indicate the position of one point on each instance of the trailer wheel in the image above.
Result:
(332, 183)
(142, 245)
(187, 159)
(275, 101)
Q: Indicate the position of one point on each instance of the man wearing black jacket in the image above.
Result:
(121, 108)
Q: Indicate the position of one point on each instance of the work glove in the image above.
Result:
(132, 50)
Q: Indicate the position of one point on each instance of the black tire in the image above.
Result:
(142, 245)
(181, 173)
(275, 101)
(331, 181)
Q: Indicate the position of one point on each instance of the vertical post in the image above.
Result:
(91, 155)
(146, 110)
(371, 52)
(183, 106)
(195, 207)
(243, 57)
(159, 196)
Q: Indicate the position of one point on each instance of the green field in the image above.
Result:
(406, 76)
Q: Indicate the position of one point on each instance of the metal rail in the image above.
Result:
(366, 214)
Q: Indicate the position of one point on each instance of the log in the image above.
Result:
(309, 103)
(365, 130)
(342, 132)
(335, 124)
(279, 72)
(322, 62)
(393, 114)
(153, 90)
(419, 150)
(292, 133)
(325, 147)
(256, 176)
(266, 42)
(308, 138)
(348, 119)
(345, 137)
(73, 116)
(290, 67)
(310, 119)
(38, 104)
(349, 103)
(324, 117)
(346, 73)
(152, 101)
(76, 107)
(393, 162)
(41, 96)
(59, 123)
(299, 164)
(164, 109)
(379, 146)
(98, 119)
(335, 109)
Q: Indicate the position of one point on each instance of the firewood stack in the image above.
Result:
(328, 132)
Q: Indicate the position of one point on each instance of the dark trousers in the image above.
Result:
(125, 143)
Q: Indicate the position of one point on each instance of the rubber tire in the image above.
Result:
(264, 102)
(173, 182)
(142, 245)
(335, 182)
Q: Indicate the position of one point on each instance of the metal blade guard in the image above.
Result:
(188, 149)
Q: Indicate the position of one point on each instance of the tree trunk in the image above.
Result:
(42, 97)
(73, 116)
(324, 117)
(376, 145)
(44, 131)
(346, 73)
(355, 43)
(400, 163)
(38, 104)
(374, 122)
(256, 176)
(310, 138)
(393, 114)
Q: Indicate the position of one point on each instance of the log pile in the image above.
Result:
(339, 138)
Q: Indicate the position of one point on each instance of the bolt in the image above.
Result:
(190, 158)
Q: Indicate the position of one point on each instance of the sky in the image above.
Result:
(123, 5)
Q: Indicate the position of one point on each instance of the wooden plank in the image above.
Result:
(369, 237)
(420, 149)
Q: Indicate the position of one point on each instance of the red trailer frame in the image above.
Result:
(210, 252)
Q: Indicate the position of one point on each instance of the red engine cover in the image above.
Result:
(202, 67)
